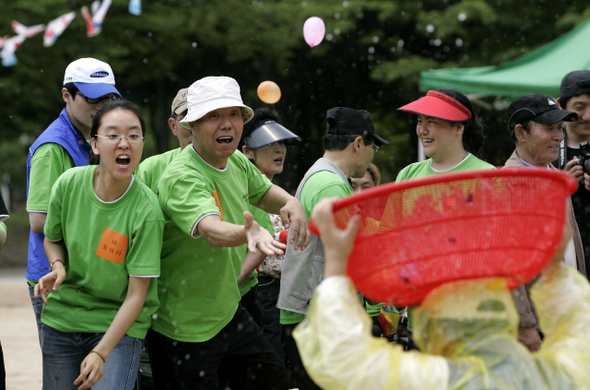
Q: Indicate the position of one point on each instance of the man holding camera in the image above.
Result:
(535, 126)
(574, 150)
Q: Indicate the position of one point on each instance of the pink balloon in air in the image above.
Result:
(313, 31)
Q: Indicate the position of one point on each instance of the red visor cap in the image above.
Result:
(438, 105)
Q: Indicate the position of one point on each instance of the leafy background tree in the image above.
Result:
(371, 58)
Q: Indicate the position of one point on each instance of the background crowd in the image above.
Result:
(172, 256)
(231, 288)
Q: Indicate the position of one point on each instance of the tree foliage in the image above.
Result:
(371, 58)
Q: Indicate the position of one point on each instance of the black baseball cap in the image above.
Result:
(575, 83)
(346, 121)
(539, 108)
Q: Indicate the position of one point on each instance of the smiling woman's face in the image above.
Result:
(439, 138)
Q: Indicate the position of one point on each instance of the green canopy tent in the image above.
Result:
(539, 71)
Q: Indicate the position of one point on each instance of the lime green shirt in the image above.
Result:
(423, 169)
(373, 310)
(48, 163)
(320, 185)
(152, 168)
(106, 243)
(198, 287)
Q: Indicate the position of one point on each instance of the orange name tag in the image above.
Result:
(218, 203)
(112, 246)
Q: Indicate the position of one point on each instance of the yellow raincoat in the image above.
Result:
(468, 332)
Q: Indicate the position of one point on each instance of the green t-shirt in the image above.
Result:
(373, 310)
(48, 163)
(198, 287)
(263, 219)
(423, 169)
(320, 185)
(151, 169)
(106, 243)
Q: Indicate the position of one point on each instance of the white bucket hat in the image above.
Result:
(212, 93)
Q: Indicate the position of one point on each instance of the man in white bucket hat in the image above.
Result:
(88, 85)
(204, 194)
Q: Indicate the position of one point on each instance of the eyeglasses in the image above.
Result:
(103, 99)
(116, 138)
(375, 148)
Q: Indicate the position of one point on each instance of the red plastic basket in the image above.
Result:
(418, 234)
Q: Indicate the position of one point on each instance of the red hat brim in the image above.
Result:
(435, 107)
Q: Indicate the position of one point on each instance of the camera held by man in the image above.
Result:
(585, 156)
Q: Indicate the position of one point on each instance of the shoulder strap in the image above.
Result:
(561, 157)
(321, 164)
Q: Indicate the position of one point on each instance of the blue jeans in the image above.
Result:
(37, 308)
(64, 352)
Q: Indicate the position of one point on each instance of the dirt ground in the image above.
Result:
(18, 332)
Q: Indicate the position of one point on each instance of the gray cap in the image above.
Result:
(179, 102)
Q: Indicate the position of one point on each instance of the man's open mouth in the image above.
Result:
(225, 140)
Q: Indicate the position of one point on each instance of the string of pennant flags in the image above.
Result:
(93, 17)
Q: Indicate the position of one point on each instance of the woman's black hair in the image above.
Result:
(260, 114)
(97, 121)
(473, 134)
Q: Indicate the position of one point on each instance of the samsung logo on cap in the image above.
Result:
(100, 74)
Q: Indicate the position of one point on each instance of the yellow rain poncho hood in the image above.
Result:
(461, 313)
(467, 331)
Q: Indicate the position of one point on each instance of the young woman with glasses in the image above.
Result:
(103, 237)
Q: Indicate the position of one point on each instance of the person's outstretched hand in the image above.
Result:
(337, 243)
(261, 238)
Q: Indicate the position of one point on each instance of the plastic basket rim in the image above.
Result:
(570, 183)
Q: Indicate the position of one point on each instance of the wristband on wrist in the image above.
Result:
(99, 354)
(55, 261)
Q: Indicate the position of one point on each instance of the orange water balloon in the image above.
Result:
(269, 92)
